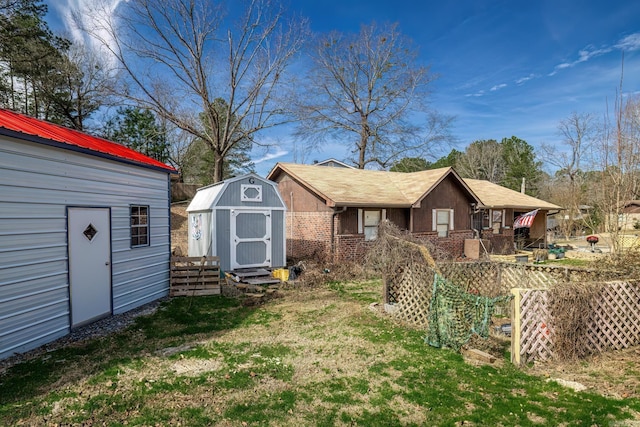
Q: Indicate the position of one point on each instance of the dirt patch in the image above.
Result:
(613, 374)
(179, 228)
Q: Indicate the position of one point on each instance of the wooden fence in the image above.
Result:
(613, 322)
(494, 279)
(195, 276)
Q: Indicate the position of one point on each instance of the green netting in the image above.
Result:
(455, 315)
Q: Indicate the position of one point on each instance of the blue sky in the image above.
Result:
(505, 67)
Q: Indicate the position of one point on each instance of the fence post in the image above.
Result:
(516, 317)
(385, 289)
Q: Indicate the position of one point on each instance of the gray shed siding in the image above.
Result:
(38, 184)
(221, 199)
(222, 235)
(231, 195)
(278, 238)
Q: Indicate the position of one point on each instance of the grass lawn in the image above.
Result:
(317, 357)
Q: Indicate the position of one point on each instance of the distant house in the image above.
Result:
(629, 217)
(84, 230)
(334, 216)
(333, 163)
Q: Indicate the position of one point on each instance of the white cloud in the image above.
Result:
(92, 14)
(627, 43)
(525, 79)
(498, 87)
(630, 42)
(280, 152)
(479, 93)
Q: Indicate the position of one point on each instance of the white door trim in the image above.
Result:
(235, 240)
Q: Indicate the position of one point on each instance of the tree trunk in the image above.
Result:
(218, 167)
(364, 140)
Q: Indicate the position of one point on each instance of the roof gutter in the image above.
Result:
(370, 205)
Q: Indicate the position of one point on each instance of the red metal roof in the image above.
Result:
(75, 139)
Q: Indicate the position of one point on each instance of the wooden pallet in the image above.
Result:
(195, 276)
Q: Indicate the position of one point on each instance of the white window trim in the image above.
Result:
(434, 219)
(491, 216)
(383, 216)
(146, 226)
(245, 198)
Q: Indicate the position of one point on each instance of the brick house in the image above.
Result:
(333, 213)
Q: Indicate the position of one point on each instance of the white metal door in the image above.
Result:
(89, 237)
(250, 238)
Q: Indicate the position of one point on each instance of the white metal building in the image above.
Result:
(84, 231)
(241, 220)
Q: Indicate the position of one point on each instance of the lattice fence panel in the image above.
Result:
(477, 277)
(412, 289)
(614, 321)
(536, 336)
(590, 275)
(529, 276)
(616, 317)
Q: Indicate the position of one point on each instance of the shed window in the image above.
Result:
(442, 221)
(250, 193)
(139, 226)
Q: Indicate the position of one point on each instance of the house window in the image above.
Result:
(497, 221)
(442, 221)
(371, 221)
(139, 226)
(368, 222)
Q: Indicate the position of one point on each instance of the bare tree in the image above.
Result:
(577, 133)
(367, 91)
(482, 160)
(82, 84)
(618, 152)
(178, 60)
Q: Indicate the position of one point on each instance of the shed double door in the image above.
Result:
(250, 238)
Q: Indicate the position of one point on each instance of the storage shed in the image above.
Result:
(241, 220)
(84, 231)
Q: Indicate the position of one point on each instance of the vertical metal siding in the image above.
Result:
(231, 194)
(39, 182)
(222, 236)
(278, 248)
